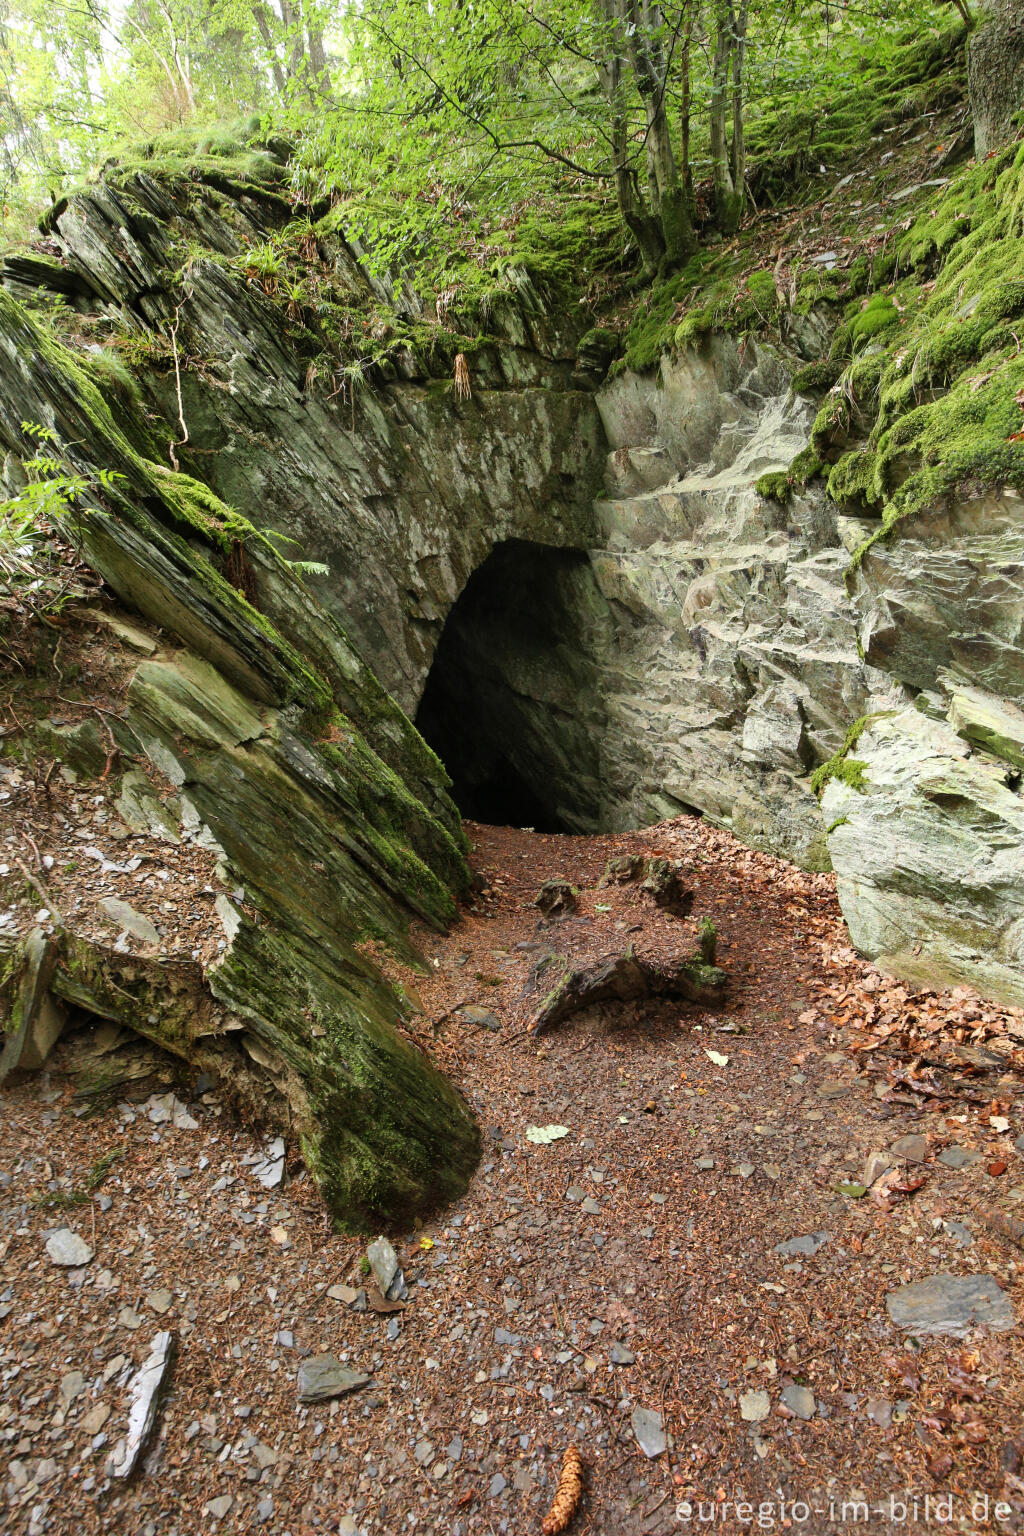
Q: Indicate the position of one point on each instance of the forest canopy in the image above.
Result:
(433, 122)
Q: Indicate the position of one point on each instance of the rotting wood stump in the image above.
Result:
(557, 898)
(623, 977)
(659, 878)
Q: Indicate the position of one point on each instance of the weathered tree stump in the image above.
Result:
(557, 898)
(661, 879)
(623, 977)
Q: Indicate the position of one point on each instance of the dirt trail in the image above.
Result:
(628, 1265)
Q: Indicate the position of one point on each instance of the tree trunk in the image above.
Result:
(644, 229)
(262, 18)
(650, 69)
(739, 150)
(728, 197)
(995, 74)
(685, 170)
(321, 75)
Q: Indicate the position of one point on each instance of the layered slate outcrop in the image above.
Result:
(690, 644)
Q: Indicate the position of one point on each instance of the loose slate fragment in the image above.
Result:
(946, 1303)
(387, 1271)
(322, 1377)
(544, 1135)
(557, 898)
(800, 1400)
(66, 1248)
(755, 1406)
(145, 1387)
(33, 1019)
(564, 988)
(269, 1169)
(803, 1247)
(650, 1432)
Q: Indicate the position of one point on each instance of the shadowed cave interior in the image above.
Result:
(512, 703)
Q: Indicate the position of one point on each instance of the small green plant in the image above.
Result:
(30, 566)
(301, 567)
(68, 1199)
(263, 264)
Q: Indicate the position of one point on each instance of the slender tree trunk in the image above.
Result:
(685, 169)
(739, 150)
(645, 230)
(728, 199)
(296, 37)
(262, 18)
(318, 59)
(650, 68)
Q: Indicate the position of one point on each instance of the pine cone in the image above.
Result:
(567, 1499)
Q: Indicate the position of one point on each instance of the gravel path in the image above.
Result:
(617, 1287)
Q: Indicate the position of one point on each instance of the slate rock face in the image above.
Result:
(705, 645)
(930, 855)
(314, 790)
(950, 1304)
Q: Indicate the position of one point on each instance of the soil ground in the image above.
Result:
(645, 1234)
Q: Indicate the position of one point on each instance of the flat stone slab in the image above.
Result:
(755, 1406)
(322, 1377)
(125, 917)
(387, 1271)
(959, 1157)
(66, 1248)
(800, 1400)
(950, 1304)
(473, 1013)
(145, 1389)
(913, 1148)
(801, 1247)
(649, 1431)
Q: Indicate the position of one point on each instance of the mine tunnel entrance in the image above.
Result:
(512, 704)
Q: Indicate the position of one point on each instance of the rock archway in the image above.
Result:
(512, 704)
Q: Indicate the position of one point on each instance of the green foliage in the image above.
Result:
(841, 766)
(941, 397)
(29, 565)
(814, 377)
(774, 486)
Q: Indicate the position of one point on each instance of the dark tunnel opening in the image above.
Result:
(512, 705)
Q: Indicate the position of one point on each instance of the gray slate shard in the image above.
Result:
(620, 1355)
(800, 1400)
(387, 1271)
(950, 1304)
(269, 1168)
(123, 916)
(960, 1233)
(649, 1431)
(913, 1148)
(145, 1389)
(35, 1018)
(473, 1013)
(322, 1377)
(959, 1157)
(795, 1247)
(66, 1248)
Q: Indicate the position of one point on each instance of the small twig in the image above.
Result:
(41, 892)
(177, 386)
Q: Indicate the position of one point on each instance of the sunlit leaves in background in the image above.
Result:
(436, 125)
